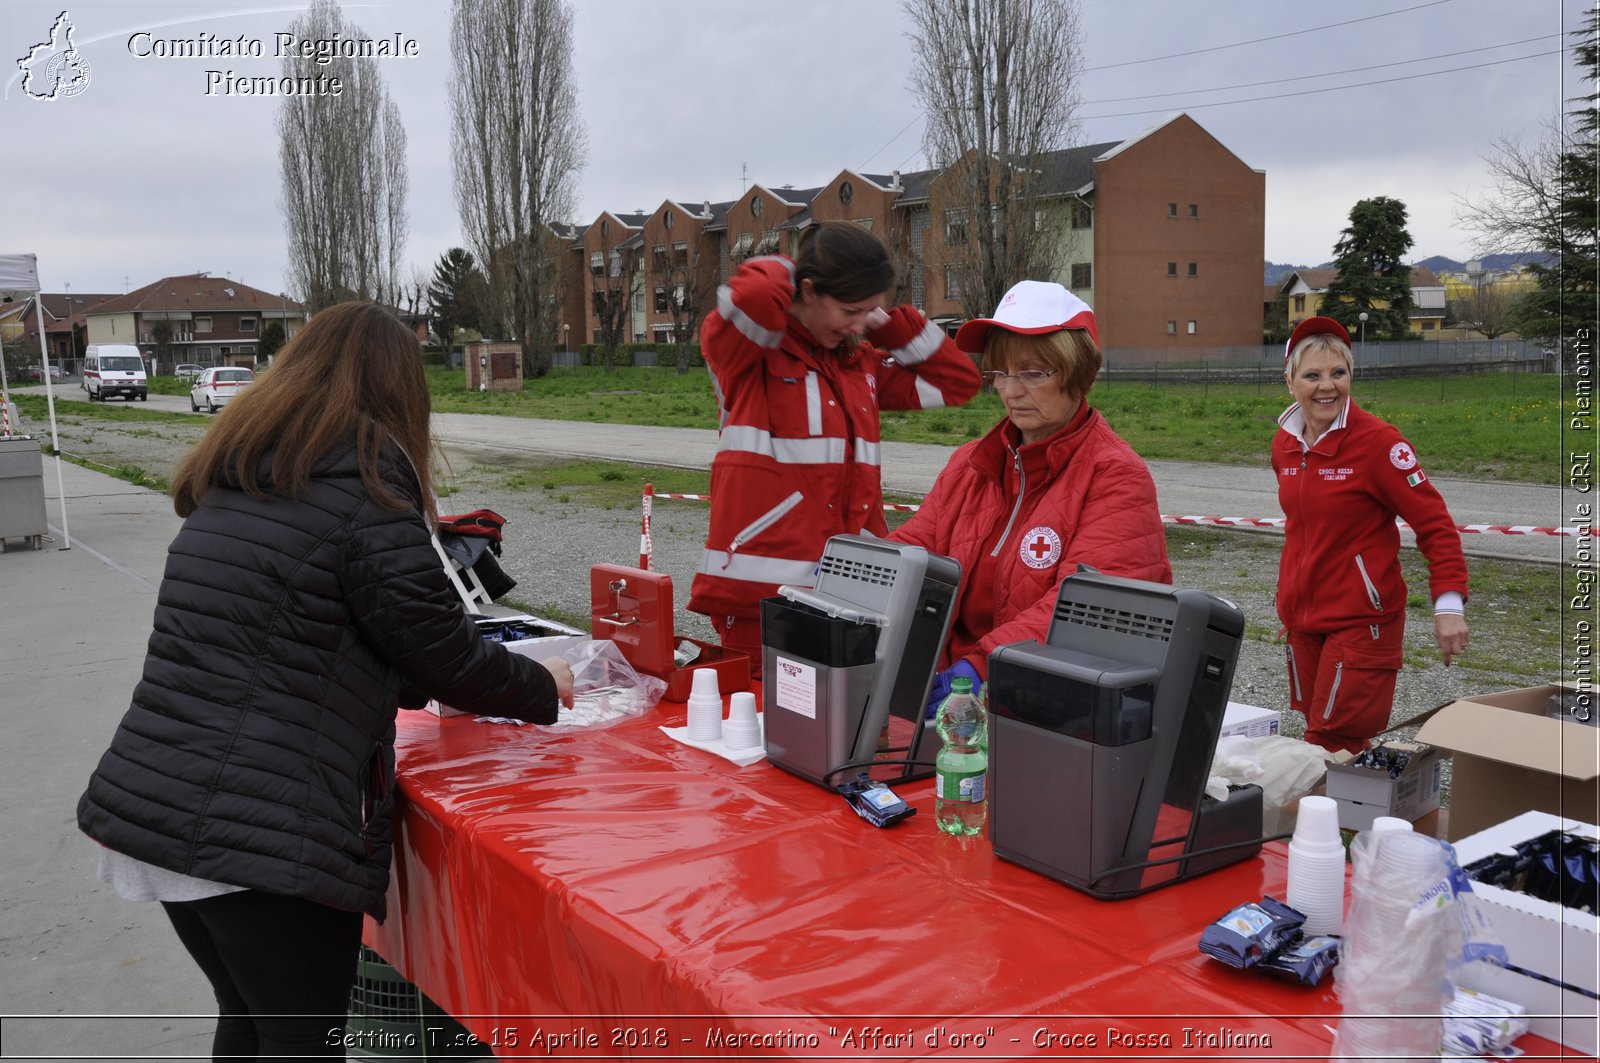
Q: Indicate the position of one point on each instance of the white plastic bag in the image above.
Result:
(1234, 764)
(1290, 770)
(605, 688)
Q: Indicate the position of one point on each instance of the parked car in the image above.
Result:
(188, 371)
(34, 373)
(213, 388)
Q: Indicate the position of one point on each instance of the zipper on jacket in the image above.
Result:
(763, 522)
(1022, 489)
(1294, 675)
(1372, 591)
(1333, 691)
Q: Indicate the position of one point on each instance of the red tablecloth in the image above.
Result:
(615, 884)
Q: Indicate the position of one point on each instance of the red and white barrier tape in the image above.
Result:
(1166, 518)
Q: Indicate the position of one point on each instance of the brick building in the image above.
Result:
(1163, 234)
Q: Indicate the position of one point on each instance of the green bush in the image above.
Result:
(626, 355)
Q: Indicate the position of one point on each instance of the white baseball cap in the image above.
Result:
(1030, 308)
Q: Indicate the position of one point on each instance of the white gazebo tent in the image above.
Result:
(19, 279)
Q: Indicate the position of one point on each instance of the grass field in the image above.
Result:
(1488, 426)
(1491, 426)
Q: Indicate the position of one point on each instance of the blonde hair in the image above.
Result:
(1321, 341)
(354, 373)
(1074, 356)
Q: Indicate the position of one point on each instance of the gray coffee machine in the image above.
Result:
(843, 658)
(1101, 739)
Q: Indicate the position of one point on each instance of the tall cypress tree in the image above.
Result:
(1566, 298)
(1373, 276)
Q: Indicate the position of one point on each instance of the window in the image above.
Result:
(616, 264)
(1172, 328)
(658, 254)
(1194, 269)
(638, 302)
(1172, 269)
(600, 301)
(847, 192)
(741, 247)
(1299, 304)
(755, 206)
(952, 282)
(597, 264)
(202, 324)
(1194, 210)
(955, 226)
(1427, 326)
(769, 243)
(666, 219)
(1082, 273)
(1191, 328)
(1172, 210)
(661, 300)
(201, 352)
(605, 227)
(680, 255)
(1082, 216)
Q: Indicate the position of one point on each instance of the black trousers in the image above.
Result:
(282, 969)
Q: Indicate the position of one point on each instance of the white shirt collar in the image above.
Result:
(1293, 421)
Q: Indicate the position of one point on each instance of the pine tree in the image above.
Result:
(1373, 276)
(1566, 299)
(456, 294)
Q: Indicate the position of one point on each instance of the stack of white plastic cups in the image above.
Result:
(1393, 974)
(705, 707)
(1316, 866)
(742, 729)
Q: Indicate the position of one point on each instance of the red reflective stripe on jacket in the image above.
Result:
(1084, 485)
(1341, 550)
(800, 419)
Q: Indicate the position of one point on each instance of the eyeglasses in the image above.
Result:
(1028, 378)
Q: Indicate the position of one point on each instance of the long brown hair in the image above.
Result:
(844, 260)
(354, 372)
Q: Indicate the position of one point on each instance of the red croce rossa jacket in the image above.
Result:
(797, 460)
(1341, 548)
(1080, 496)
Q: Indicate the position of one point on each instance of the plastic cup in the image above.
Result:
(1385, 824)
(742, 730)
(1317, 822)
(705, 683)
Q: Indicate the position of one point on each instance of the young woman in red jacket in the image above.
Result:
(1343, 477)
(1047, 488)
(803, 357)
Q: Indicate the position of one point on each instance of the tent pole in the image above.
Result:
(50, 401)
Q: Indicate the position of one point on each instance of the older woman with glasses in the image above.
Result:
(1048, 488)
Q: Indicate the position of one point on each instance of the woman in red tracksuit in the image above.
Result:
(1049, 487)
(1343, 477)
(799, 392)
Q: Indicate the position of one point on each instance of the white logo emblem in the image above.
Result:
(1402, 457)
(54, 69)
(1041, 547)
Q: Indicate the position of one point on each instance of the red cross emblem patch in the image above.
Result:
(1402, 457)
(1041, 547)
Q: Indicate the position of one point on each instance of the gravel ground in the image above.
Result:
(552, 539)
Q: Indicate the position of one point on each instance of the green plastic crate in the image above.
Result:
(390, 1018)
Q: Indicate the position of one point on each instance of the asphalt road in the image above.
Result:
(1184, 489)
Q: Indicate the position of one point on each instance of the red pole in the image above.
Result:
(645, 546)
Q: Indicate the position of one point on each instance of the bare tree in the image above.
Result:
(1523, 214)
(343, 170)
(614, 281)
(688, 279)
(998, 82)
(518, 141)
(1486, 307)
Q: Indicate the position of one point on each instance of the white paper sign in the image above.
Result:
(797, 687)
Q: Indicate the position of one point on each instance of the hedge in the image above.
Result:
(626, 354)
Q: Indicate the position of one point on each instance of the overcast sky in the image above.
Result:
(143, 175)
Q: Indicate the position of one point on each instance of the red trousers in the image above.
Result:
(741, 634)
(1343, 681)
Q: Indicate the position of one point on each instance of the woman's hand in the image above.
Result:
(1451, 631)
(561, 672)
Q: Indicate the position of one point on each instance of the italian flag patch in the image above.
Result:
(1415, 478)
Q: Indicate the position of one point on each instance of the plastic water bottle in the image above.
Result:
(961, 793)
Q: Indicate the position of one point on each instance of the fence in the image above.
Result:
(1375, 358)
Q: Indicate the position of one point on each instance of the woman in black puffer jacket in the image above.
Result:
(249, 787)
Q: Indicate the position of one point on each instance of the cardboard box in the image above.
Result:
(1249, 720)
(559, 639)
(1364, 794)
(1541, 937)
(1509, 757)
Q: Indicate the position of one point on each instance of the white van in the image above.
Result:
(114, 369)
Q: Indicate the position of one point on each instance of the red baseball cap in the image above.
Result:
(1314, 326)
(1031, 308)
